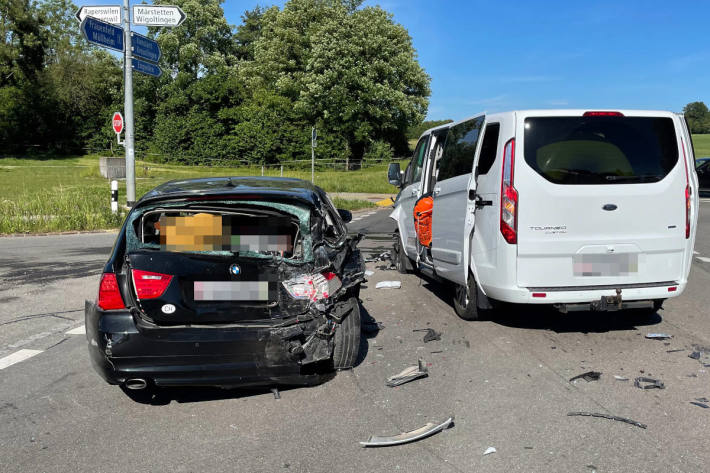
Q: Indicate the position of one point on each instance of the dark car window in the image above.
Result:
(334, 228)
(489, 147)
(418, 159)
(601, 150)
(460, 149)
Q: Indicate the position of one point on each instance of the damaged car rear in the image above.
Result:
(228, 282)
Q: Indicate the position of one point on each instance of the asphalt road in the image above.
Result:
(505, 381)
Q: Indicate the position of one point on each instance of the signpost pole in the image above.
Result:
(128, 108)
(313, 154)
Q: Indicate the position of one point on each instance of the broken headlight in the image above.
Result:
(313, 287)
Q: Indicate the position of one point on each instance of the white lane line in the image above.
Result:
(18, 356)
(81, 330)
(703, 259)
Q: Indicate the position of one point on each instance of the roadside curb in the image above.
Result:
(385, 202)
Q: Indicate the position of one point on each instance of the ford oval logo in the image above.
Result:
(235, 269)
(610, 207)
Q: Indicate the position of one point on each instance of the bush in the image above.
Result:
(379, 151)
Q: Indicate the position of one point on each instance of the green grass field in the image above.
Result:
(48, 195)
(701, 143)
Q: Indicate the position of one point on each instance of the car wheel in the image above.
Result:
(465, 303)
(399, 257)
(347, 338)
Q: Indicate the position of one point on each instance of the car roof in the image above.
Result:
(260, 188)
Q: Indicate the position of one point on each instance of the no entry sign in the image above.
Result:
(117, 122)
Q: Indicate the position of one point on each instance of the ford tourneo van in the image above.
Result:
(583, 210)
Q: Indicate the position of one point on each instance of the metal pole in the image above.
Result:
(313, 157)
(282, 170)
(114, 196)
(128, 108)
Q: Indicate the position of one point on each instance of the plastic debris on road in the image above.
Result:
(620, 378)
(658, 336)
(699, 404)
(388, 285)
(490, 450)
(369, 273)
(406, 437)
(649, 383)
(588, 376)
(408, 374)
(607, 416)
(430, 334)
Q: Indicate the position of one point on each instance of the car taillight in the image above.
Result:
(508, 196)
(687, 192)
(313, 287)
(150, 285)
(603, 114)
(109, 294)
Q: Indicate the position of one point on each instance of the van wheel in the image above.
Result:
(399, 257)
(347, 338)
(465, 300)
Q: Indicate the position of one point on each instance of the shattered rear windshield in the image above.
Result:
(243, 228)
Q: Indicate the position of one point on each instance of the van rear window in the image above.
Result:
(601, 150)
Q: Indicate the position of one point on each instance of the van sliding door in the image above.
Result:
(452, 175)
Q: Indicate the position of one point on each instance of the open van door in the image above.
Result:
(452, 176)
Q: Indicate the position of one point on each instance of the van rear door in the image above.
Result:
(601, 199)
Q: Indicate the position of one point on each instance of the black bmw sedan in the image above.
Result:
(228, 282)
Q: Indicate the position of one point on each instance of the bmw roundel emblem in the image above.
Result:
(235, 269)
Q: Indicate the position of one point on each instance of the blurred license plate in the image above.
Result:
(621, 264)
(231, 290)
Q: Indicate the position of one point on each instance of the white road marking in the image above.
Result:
(81, 330)
(703, 259)
(18, 356)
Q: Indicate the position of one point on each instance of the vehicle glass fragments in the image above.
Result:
(601, 150)
(250, 229)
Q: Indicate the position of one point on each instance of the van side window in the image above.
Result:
(488, 149)
(418, 159)
(460, 149)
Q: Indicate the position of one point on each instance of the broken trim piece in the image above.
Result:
(408, 374)
(406, 437)
(648, 383)
(606, 416)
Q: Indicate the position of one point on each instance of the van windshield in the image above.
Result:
(601, 150)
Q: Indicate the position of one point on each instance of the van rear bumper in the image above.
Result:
(585, 294)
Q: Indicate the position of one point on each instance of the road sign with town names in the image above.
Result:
(157, 15)
(144, 48)
(146, 68)
(108, 13)
(102, 34)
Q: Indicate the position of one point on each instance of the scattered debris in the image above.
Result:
(588, 376)
(406, 437)
(437, 351)
(695, 355)
(384, 256)
(606, 416)
(430, 335)
(700, 404)
(675, 351)
(658, 336)
(490, 450)
(620, 378)
(702, 399)
(369, 273)
(408, 374)
(388, 285)
(277, 395)
(648, 383)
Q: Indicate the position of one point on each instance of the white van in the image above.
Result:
(584, 210)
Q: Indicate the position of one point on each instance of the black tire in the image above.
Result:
(399, 257)
(465, 300)
(347, 338)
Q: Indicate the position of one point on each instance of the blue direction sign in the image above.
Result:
(102, 34)
(144, 48)
(146, 68)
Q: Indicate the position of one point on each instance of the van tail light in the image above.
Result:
(603, 114)
(109, 294)
(150, 285)
(687, 192)
(313, 287)
(509, 196)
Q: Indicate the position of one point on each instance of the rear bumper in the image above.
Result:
(234, 356)
(520, 295)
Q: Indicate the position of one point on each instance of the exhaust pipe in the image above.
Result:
(136, 384)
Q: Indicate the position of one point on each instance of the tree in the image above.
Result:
(353, 72)
(698, 117)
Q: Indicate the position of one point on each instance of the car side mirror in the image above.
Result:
(346, 215)
(394, 175)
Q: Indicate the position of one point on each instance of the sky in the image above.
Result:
(518, 54)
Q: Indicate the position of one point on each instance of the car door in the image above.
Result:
(704, 177)
(410, 193)
(452, 176)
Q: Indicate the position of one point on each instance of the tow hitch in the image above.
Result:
(605, 304)
(608, 303)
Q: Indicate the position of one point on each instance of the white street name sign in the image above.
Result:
(107, 13)
(157, 15)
